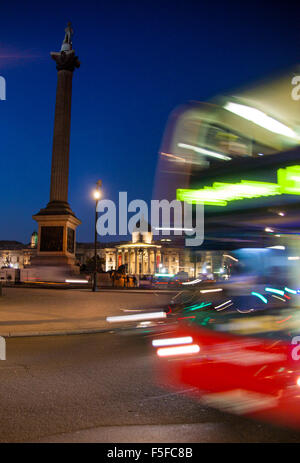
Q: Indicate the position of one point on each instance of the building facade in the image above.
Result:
(140, 256)
(16, 255)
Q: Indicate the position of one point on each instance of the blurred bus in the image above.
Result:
(252, 123)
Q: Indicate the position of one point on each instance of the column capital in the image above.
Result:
(65, 60)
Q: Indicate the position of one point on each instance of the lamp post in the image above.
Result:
(97, 196)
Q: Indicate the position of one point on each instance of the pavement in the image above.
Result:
(36, 312)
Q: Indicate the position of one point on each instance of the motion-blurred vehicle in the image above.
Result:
(234, 343)
(198, 304)
(242, 363)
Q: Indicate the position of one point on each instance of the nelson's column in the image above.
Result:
(57, 223)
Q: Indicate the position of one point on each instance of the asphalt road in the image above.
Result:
(39, 311)
(101, 388)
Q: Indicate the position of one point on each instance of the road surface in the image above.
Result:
(101, 388)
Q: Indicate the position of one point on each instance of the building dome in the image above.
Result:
(142, 232)
(34, 240)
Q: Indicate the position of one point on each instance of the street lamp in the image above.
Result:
(97, 196)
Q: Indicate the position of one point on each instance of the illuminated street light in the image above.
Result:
(96, 196)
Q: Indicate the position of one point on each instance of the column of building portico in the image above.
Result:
(116, 259)
(142, 272)
(149, 257)
(135, 261)
(129, 261)
(155, 255)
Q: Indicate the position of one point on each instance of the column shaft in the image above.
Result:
(61, 137)
(142, 262)
(135, 260)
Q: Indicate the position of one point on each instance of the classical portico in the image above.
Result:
(141, 256)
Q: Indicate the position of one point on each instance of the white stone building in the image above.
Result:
(140, 256)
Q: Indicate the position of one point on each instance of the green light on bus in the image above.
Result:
(289, 180)
(220, 192)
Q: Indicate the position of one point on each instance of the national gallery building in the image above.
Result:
(140, 256)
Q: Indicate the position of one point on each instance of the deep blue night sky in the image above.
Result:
(139, 60)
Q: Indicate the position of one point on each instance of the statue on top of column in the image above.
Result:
(67, 43)
(66, 59)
